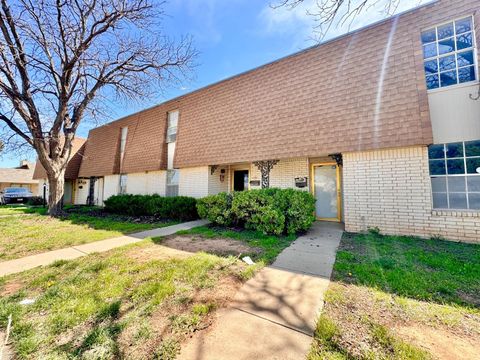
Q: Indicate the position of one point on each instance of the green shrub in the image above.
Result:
(272, 211)
(35, 201)
(181, 208)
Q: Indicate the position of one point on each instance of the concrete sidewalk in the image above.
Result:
(273, 315)
(73, 252)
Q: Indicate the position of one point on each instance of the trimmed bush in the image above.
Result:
(271, 211)
(35, 201)
(181, 208)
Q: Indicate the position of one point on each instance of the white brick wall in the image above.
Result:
(110, 185)
(194, 181)
(215, 183)
(390, 189)
(283, 173)
(81, 191)
(152, 182)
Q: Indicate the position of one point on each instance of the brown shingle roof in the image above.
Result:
(73, 165)
(17, 176)
(145, 148)
(347, 94)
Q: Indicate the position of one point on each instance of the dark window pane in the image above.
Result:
(445, 31)
(465, 58)
(466, 74)
(448, 78)
(436, 151)
(446, 46)
(455, 150)
(437, 167)
(464, 41)
(431, 67)
(456, 184)
(473, 165)
(455, 167)
(463, 25)
(447, 62)
(473, 183)
(439, 184)
(472, 148)
(474, 201)
(458, 200)
(440, 200)
(429, 50)
(432, 82)
(429, 36)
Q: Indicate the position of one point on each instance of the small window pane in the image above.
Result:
(436, 151)
(439, 184)
(446, 46)
(440, 200)
(464, 41)
(473, 165)
(465, 58)
(437, 167)
(455, 150)
(455, 167)
(447, 62)
(429, 36)
(456, 184)
(431, 67)
(466, 74)
(474, 201)
(432, 82)
(445, 31)
(448, 78)
(457, 200)
(473, 183)
(472, 148)
(463, 25)
(429, 50)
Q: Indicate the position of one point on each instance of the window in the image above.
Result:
(123, 184)
(449, 54)
(172, 126)
(172, 182)
(455, 175)
(123, 141)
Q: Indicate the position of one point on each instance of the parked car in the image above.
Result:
(14, 195)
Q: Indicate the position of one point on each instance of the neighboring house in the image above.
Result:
(76, 189)
(21, 176)
(352, 120)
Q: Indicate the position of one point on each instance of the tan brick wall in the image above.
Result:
(390, 189)
(215, 185)
(283, 173)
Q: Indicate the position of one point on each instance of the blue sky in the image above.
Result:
(233, 36)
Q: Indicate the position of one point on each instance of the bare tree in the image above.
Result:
(59, 58)
(337, 12)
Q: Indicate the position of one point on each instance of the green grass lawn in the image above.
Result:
(394, 297)
(27, 230)
(134, 302)
(270, 245)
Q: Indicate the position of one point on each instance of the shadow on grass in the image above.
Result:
(433, 270)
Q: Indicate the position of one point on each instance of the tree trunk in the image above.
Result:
(56, 182)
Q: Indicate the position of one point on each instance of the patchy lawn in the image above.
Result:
(398, 297)
(27, 230)
(136, 302)
(260, 247)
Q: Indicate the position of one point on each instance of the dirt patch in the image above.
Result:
(442, 344)
(10, 288)
(217, 246)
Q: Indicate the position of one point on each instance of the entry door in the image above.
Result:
(326, 189)
(240, 180)
(67, 193)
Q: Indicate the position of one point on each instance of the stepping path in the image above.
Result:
(73, 252)
(273, 315)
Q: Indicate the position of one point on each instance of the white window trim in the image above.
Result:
(455, 52)
(172, 130)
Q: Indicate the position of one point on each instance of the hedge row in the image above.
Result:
(181, 208)
(271, 211)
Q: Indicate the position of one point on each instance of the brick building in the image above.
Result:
(380, 124)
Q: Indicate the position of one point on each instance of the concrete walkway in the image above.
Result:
(273, 315)
(73, 252)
